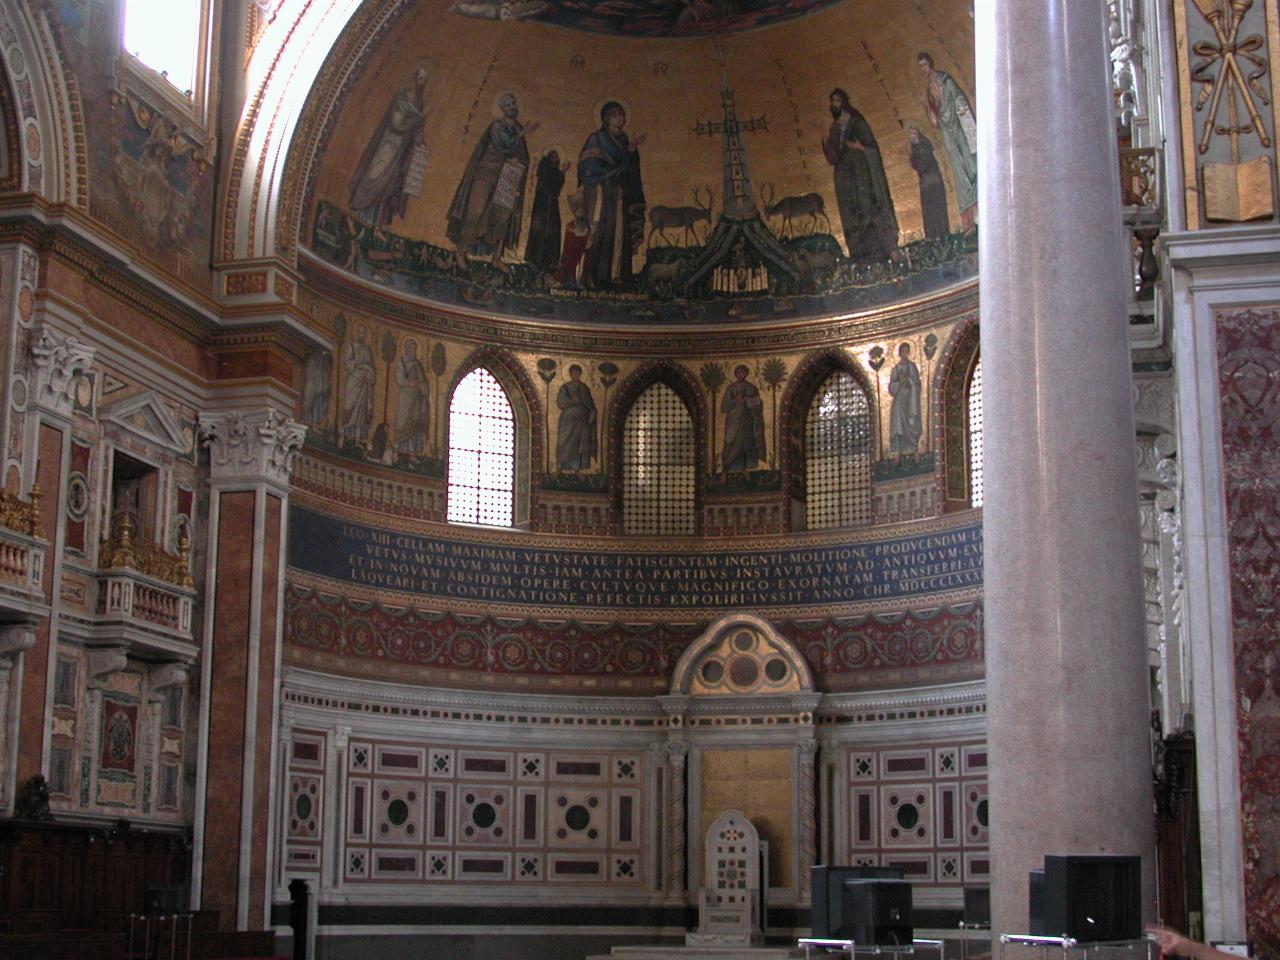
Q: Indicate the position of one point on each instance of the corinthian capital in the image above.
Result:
(252, 444)
(57, 362)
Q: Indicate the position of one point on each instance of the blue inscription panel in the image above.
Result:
(465, 571)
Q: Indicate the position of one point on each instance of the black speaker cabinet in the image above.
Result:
(977, 905)
(825, 883)
(1035, 897)
(1093, 898)
(877, 912)
(165, 899)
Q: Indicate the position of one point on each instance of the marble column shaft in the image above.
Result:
(1067, 681)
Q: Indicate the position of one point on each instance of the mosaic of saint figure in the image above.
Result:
(316, 387)
(542, 249)
(950, 111)
(933, 192)
(904, 411)
(411, 400)
(576, 432)
(609, 176)
(357, 397)
(862, 190)
(743, 424)
(489, 202)
(380, 186)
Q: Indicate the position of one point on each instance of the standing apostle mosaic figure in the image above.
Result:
(488, 205)
(390, 170)
(862, 191)
(952, 114)
(576, 442)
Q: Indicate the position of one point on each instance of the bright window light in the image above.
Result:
(481, 452)
(975, 435)
(164, 35)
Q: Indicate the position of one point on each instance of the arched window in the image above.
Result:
(837, 439)
(481, 452)
(658, 468)
(973, 397)
(165, 35)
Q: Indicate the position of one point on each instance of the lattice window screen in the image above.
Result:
(838, 455)
(975, 435)
(658, 495)
(481, 452)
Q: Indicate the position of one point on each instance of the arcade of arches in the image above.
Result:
(455, 452)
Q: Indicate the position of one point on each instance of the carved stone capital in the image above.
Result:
(252, 445)
(341, 737)
(170, 675)
(15, 638)
(103, 661)
(57, 362)
(677, 750)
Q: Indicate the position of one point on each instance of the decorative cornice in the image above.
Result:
(258, 445)
(88, 247)
(363, 297)
(58, 361)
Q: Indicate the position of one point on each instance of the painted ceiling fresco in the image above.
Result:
(821, 165)
(646, 18)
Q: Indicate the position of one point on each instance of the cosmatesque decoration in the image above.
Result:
(59, 362)
(247, 445)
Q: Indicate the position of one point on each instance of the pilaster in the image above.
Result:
(251, 452)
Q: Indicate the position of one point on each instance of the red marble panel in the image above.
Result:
(230, 661)
(1249, 386)
(267, 643)
(33, 710)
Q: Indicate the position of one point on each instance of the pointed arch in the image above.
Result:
(810, 377)
(952, 378)
(526, 411)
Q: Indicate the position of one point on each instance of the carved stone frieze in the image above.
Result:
(252, 445)
(1153, 402)
(58, 362)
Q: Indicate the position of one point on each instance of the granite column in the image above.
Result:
(1067, 687)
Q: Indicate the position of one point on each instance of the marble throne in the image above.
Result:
(731, 901)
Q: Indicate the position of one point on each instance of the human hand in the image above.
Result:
(532, 126)
(1171, 942)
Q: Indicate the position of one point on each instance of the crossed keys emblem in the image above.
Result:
(1220, 69)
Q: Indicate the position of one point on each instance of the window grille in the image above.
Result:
(658, 469)
(975, 435)
(838, 455)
